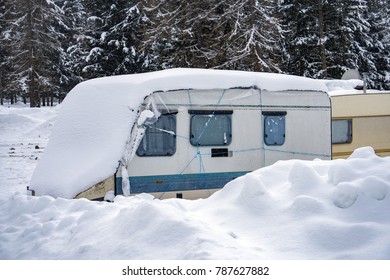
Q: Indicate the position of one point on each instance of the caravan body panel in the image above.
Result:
(196, 170)
(366, 120)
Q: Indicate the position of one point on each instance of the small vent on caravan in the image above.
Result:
(220, 153)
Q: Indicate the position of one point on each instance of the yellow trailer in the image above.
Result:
(358, 120)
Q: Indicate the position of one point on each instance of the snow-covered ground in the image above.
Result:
(24, 133)
(292, 210)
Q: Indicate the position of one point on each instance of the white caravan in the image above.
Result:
(206, 138)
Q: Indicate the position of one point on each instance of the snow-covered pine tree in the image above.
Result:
(123, 37)
(180, 33)
(10, 88)
(252, 36)
(302, 40)
(213, 34)
(327, 37)
(348, 33)
(111, 37)
(363, 39)
(379, 74)
(2, 51)
(34, 46)
(71, 26)
(88, 48)
(61, 27)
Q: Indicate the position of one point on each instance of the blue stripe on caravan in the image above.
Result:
(178, 182)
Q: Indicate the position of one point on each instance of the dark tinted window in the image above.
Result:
(341, 131)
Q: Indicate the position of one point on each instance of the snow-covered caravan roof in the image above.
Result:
(96, 117)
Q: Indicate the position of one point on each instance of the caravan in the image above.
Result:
(185, 133)
(360, 119)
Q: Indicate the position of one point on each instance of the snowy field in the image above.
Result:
(300, 210)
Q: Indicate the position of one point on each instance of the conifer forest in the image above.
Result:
(48, 46)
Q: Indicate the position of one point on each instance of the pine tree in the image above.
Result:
(362, 37)
(213, 34)
(109, 44)
(8, 84)
(327, 37)
(303, 42)
(179, 33)
(348, 33)
(2, 51)
(34, 44)
(88, 48)
(252, 36)
(71, 26)
(48, 46)
(379, 74)
(122, 39)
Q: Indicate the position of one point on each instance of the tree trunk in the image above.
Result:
(34, 96)
(1, 90)
(322, 38)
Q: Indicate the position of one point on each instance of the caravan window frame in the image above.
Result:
(274, 128)
(342, 135)
(200, 120)
(163, 136)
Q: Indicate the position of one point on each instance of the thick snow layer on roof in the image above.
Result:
(96, 117)
(346, 86)
(339, 92)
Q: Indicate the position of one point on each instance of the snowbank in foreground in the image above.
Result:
(96, 117)
(291, 210)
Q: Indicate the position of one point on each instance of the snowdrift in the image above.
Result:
(291, 210)
(95, 120)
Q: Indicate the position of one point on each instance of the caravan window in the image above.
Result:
(274, 128)
(159, 138)
(341, 131)
(210, 128)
